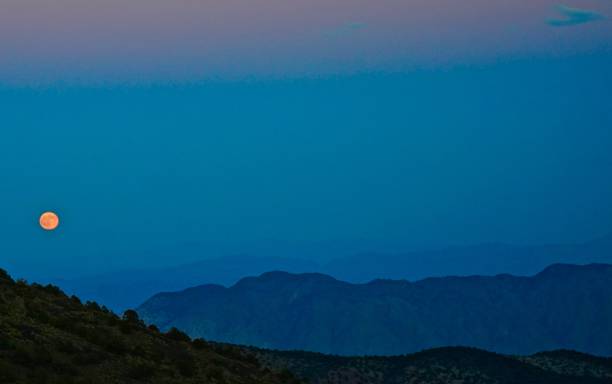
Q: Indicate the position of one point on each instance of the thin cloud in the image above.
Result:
(345, 29)
(574, 16)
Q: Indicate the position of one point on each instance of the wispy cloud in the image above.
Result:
(574, 16)
(345, 29)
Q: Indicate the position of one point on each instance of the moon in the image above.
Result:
(49, 221)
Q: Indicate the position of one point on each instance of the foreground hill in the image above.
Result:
(563, 307)
(443, 366)
(47, 337)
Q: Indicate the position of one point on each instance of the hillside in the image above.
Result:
(563, 307)
(47, 337)
(444, 366)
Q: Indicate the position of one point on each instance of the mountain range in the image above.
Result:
(48, 337)
(562, 307)
(124, 289)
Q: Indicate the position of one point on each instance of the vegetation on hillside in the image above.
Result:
(47, 337)
(443, 366)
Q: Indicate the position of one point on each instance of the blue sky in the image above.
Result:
(517, 151)
(163, 132)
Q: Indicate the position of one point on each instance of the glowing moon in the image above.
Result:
(49, 221)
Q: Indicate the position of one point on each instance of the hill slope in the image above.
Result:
(563, 307)
(47, 337)
(443, 366)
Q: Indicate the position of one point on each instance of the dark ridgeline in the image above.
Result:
(563, 307)
(121, 290)
(48, 337)
(483, 259)
(443, 366)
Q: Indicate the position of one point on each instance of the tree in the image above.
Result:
(177, 335)
(4, 276)
(131, 317)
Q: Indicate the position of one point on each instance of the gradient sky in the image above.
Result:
(163, 131)
(161, 40)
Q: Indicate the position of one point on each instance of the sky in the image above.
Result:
(44, 41)
(162, 132)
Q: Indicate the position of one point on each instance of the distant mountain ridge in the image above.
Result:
(127, 289)
(49, 337)
(562, 307)
(481, 259)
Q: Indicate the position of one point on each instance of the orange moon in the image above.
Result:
(49, 221)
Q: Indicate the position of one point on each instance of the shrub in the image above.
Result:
(199, 343)
(67, 347)
(177, 335)
(113, 320)
(8, 373)
(53, 289)
(287, 377)
(126, 328)
(216, 373)
(140, 370)
(5, 277)
(38, 314)
(131, 318)
(93, 305)
(187, 366)
(115, 344)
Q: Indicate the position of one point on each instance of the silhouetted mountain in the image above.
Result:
(443, 366)
(47, 337)
(563, 307)
(126, 289)
(484, 259)
(601, 245)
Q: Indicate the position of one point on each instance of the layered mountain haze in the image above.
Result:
(125, 289)
(562, 307)
(483, 259)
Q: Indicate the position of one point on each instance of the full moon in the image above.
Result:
(49, 221)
